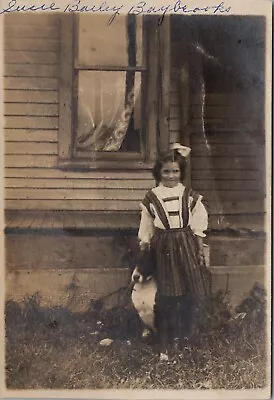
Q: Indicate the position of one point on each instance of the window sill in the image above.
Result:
(107, 156)
(118, 165)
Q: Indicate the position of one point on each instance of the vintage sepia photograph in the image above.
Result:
(136, 220)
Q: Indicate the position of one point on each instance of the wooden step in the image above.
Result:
(74, 289)
(236, 250)
(236, 282)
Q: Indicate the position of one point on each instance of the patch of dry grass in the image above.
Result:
(54, 349)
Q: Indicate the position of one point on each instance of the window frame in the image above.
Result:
(155, 133)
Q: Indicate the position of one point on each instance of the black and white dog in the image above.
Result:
(144, 301)
(143, 298)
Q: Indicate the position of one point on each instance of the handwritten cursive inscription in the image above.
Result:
(13, 6)
(177, 8)
(139, 8)
(78, 6)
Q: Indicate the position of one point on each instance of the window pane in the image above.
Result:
(117, 44)
(109, 111)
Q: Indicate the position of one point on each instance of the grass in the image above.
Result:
(55, 349)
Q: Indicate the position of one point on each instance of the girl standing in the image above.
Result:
(173, 221)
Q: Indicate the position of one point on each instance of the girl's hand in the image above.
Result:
(201, 257)
(144, 246)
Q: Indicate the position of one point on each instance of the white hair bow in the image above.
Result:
(183, 150)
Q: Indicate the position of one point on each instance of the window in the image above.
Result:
(108, 92)
(110, 73)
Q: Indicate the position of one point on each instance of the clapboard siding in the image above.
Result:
(41, 110)
(79, 194)
(81, 205)
(31, 97)
(224, 166)
(31, 73)
(233, 149)
(199, 163)
(218, 208)
(226, 143)
(224, 132)
(48, 173)
(221, 125)
(223, 163)
(31, 148)
(219, 111)
(30, 83)
(34, 70)
(92, 183)
(223, 175)
(25, 31)
(30, 122)
(34, 20)
(31, 135)
(117, 194)
(220, 99)
(31, 57)
(221, 184)
(31, 161)
(32, 44)
(224, 136)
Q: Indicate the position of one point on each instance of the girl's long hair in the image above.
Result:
(170, 156)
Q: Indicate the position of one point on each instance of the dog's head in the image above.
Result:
(137, 277)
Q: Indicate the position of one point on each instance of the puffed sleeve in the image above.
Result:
(199, 218)
(146, 229)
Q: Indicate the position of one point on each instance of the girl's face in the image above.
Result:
(170, 174)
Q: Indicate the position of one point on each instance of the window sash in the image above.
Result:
(66, 132)
(139, 55)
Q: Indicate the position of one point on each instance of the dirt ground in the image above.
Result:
(55, 349)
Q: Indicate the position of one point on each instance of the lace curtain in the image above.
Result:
(105, 108)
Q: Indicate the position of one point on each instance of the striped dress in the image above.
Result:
(171, 220)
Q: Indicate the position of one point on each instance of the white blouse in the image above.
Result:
(198, 218)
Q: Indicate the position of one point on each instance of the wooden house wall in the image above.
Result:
(225, 130)
(227, 164)
(31, 107)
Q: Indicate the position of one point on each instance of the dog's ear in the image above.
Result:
(135, 272)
